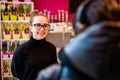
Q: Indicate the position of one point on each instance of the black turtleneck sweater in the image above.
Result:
(32, 56)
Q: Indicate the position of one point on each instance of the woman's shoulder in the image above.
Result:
(21, 47)
(50, 44)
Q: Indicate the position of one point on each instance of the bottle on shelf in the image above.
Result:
(20, 11)
(59, 16)
(13, 12)
(5, 12)
(63, 16)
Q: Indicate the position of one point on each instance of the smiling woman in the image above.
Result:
(35, 54)
(38, 20)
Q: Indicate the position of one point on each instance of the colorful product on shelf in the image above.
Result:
(6, 35)
(21, 17)
(25, 34)
(5, 16)
(27, 17)
(13, 12)
(20, 12)
(13, 16)
(61, 16)
(16, 31)
(16, 34)
(7, 68)
(5, 54)
(6, 31)
(25, 31)
(27, 9)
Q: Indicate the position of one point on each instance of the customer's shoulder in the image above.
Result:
(49, 72)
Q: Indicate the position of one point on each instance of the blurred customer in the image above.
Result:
(36, 53)
(94, 54)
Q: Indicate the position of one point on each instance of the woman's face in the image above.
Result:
(40, 27)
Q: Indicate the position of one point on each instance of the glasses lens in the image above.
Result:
(46, 26)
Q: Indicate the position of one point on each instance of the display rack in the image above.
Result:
(14, 30)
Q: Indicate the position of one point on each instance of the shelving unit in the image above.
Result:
(13, 32)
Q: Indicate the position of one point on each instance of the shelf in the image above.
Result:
(17, 2)
(15, 40)
(6, 58)
(7, 76)
(25, 21)
(57, 32)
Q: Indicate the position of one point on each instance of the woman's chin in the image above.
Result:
(41, 37)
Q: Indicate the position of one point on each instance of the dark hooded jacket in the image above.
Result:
(94, 54)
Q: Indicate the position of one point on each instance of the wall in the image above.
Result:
(53, 6)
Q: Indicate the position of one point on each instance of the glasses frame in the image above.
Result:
(39, 26)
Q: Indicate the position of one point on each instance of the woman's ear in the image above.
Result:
(31, 28)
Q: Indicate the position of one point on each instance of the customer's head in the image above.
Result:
(39, 25)
(94, 11)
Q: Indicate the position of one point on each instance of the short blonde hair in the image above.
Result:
(36, 13)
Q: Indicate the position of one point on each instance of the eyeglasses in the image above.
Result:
(39, 26)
